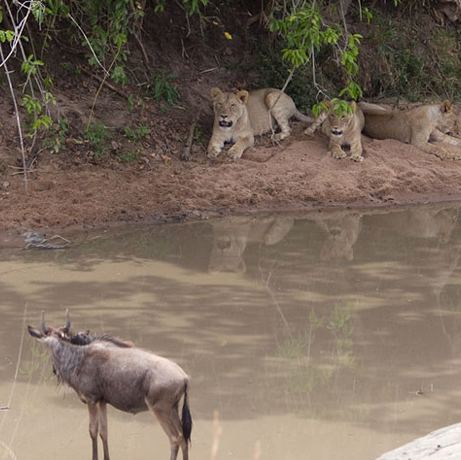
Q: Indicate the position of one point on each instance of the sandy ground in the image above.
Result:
(297, 175)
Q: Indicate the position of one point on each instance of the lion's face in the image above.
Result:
(228, 107)
(448, 119)
(339, 125)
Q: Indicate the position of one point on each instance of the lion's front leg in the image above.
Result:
(335, 150)
(236, 151)
(356, 149)
(448, 139)
(215, 147)
(436, 150)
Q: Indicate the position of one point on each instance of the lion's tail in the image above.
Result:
(374, 109)
(301, 117)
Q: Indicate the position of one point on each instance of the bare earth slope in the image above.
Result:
(297, 175)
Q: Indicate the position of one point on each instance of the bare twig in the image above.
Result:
(284, 87)
(8, 449)
(16, 373)
(18, 29)
(104, 82)
(257, 451)
(60, 237)
(217, 432)
(187, 148)
(18, 120)
(89, 44)
(145, 57)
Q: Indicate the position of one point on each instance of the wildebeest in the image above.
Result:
(106, 370)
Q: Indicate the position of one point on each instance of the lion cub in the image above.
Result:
(344, 131)
(416, 126)
(238, 118)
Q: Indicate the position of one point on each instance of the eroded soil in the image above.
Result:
(296, 175)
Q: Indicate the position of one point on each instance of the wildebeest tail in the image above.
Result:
(186, 418)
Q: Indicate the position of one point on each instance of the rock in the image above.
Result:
(442, 444)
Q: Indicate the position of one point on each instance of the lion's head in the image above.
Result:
(447, 120)
(228, 107)
(340, 124)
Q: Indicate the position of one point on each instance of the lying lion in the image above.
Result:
(343, 132)
(417, 126)
(242, 116)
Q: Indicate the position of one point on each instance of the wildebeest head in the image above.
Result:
(62, 332)
(78, 338)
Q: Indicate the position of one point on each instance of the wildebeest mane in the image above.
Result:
(85, 338)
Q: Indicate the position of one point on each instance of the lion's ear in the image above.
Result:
(445, 107)
(215, 92)
(353, 104)
(242, 96)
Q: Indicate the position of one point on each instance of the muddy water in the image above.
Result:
(328, 336)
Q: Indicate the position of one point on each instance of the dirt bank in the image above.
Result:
(296, 175)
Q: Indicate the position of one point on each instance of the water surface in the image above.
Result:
(327, 336)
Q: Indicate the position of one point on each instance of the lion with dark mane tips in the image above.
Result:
(239, 117)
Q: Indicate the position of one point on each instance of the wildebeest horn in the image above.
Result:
(67, 326)
(45, 330)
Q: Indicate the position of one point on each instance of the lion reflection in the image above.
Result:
(342, 232)
(231, 236)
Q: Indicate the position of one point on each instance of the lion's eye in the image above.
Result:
(232, 106)
(218, 105)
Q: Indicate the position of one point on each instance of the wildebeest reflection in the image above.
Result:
(105, 370)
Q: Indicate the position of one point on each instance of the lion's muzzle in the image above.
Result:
(337, 132)
(225, 124)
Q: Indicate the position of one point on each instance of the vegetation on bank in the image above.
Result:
(318, 49)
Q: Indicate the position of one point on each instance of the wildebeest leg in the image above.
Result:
(94, 426)
(183, 442)
(163, 411)
(103, 428)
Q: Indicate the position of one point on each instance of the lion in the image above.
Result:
(343, 132)
(416, 126)
(242, 116)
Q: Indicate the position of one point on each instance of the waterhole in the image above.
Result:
(326, 336)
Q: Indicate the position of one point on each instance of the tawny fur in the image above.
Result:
(239, 117)
(343, 132)
(416, 126)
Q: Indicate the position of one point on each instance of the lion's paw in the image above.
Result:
(213, 152)
(338, 154)
(235, 152)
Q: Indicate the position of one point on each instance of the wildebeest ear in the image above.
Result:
(34, 332)
(215, 92)
(445, 107)
(242, 96)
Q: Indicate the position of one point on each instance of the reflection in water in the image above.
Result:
(296, 330)
(232, 234)
(342, 232)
